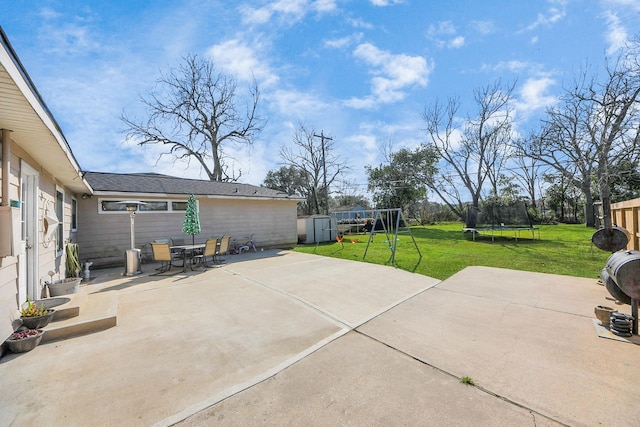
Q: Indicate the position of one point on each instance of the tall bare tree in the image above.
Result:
(595, 127)
(528, 173)
(472, 154)
(319, 162)
(195, 112)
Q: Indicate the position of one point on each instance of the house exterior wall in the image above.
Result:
(103, 238)
(47, 256)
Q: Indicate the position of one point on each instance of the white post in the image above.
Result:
(132, 214)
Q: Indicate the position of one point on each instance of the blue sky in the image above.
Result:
(361, 71)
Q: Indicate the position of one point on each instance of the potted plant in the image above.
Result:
(24, 340)
(35, 316)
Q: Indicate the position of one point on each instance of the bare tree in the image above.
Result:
(195, 112)
(596, 126)
(319, 162)
(473, 154)
(528, 174)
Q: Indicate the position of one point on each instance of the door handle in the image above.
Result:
(29, 247)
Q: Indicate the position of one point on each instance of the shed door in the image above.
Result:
(322, 229)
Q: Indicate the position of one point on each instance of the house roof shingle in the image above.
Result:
(153, 183)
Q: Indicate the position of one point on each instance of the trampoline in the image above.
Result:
(501, 229)
(503, 220)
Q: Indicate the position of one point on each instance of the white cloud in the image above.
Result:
(514, 66)
(533, 95)
(616, 35)
(456, 42)
(634, 4)
(553, 15)
(325, 6)
(444, 34)
(366, 145)
(344, 41)
(483, 27)
(295, 104)
(237, 58)
(386, 2)
(293, 10)
(359, 23)
(285, 11)
(443, 28)
(393, 73)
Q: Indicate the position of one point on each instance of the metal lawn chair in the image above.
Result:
(223, 247)
(210, 250)
(162, 253)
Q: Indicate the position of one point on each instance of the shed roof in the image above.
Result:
(157, 184)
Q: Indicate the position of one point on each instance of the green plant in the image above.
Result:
(467, 380)
(32, 309)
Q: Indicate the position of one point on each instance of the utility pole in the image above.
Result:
(324, 171)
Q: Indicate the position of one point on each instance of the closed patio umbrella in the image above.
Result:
(191, 223)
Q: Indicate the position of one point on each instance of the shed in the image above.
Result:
(316, 229)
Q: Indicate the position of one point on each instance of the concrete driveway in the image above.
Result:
(284, 338)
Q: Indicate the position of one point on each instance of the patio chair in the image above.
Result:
(223, 248)
(210, 250)
(176, 253)
(162, 253)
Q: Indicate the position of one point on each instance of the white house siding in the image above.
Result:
(9, 265)
(8, 294)
(48, 259)
(104, 237)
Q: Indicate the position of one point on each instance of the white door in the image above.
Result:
(27, 259)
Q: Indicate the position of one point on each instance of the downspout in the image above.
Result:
(6, 165)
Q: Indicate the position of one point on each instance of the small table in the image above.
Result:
(187, 249)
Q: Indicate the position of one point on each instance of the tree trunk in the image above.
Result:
(589, 213)
(472, 215)
(605, 193)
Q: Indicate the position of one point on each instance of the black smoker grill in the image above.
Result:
(623, 268)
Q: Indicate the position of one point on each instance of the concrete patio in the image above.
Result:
(284, 338)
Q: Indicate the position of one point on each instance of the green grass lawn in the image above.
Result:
(562, 249)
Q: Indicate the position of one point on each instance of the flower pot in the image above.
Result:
(37, 322)
(25, 344)
(64, 287)
(603, 314)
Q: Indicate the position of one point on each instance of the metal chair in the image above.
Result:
(162, 253)
(210, 249)
(223, 248)
(175, 253)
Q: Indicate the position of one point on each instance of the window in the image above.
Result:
(179, 206)
(60, 215)
(74, 214)
(154, 206)
(151, 206)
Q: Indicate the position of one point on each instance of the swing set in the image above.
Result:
(391, 222)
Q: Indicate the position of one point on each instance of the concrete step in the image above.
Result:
(85, 313)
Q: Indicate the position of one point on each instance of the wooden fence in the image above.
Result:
(626, 215)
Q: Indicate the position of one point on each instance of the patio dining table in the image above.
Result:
(187, 252)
